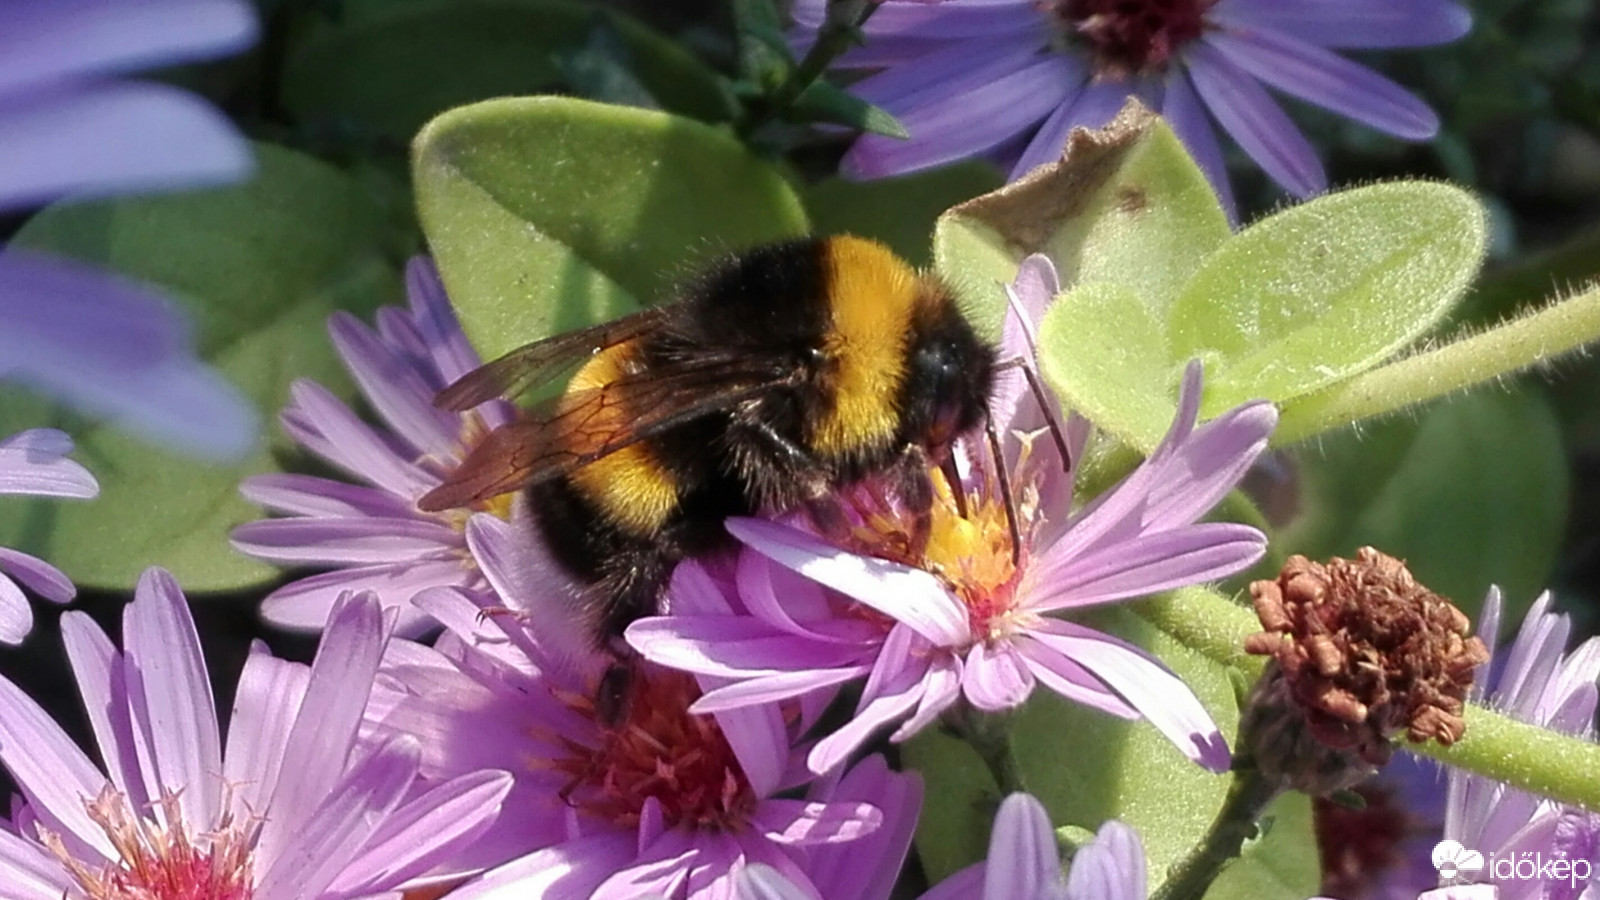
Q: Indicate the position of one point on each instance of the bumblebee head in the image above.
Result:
(949, 373)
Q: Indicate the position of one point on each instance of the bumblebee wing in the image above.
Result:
(541, 361)
(597, 422)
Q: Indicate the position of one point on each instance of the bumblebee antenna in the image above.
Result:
(1043, 399)
(1005, 488)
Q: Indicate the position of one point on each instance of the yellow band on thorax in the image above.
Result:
(871, 293)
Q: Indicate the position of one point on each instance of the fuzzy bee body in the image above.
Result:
(783, 373)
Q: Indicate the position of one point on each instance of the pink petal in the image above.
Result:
(995, 678)
(29, 872)
(803, 823)
(325, 730)
(325, 838)
(169, 692)
(308, 495)
(567, 871)
(97, 667)
(78, 39)
(1023, 860)
(1147, 685)
(33, 462)
(909, 595)
(1143, 565)
(1251, 116)
(265, 706)
(424, 833)
(55, 776)
(343, 541)
(37, 575)
(108, 138)
(16, 615)
(1111, 866)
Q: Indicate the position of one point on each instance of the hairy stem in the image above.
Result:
(1495, 745)
(1235, 823)
(1515, 345)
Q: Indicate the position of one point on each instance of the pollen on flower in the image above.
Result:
(971, 553)
(1132, 37)
(159, 861)
(658, 751)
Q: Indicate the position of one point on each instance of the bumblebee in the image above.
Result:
(783, 373)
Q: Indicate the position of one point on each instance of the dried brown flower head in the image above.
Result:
(1366, 652)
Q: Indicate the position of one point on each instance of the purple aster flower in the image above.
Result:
(35, 462)
(973, 617)
(372, 534)
(290, 807)
(1381, 851)
(71, 127)
(1013, 77)
(1536, 683)
(116, 349)
(1024, 862)
(643, 799)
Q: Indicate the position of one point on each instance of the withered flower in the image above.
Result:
(1362, 652)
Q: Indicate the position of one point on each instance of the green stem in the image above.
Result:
(1495, 746)
(1235, 823)
(838, 33)
(990, 737)
(1515, 345)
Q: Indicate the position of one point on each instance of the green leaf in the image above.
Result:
(549, 213)
(764, 55)
(1125, 205)
(1473, 492)
(822, 102)
(1088, 767)
(899, 211)
(390, 66)
(259, 267)
(1326, 289)
(1105, 353)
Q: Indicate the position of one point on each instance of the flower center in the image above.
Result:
(1132, 37)
(660, 751)
(970, 553)
(161, 862)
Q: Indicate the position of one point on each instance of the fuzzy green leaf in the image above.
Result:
(548, 213)
(1326, 289)
(259, 267)
(1104, 352)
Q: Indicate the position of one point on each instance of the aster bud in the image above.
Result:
(1361, 653)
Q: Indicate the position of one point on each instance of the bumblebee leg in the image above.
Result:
(914, 486)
